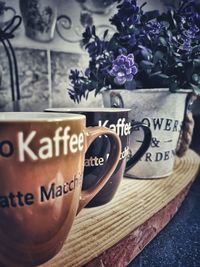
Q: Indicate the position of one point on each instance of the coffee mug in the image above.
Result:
(41, 162)
(117, 119)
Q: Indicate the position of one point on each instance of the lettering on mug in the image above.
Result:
(50, 147)
(62, 143)
(13, 200)
(94, 161)
(47, 193)
(6, 149)
(159, 156)
(123, 154)
(162, 124)
(54, 191)
(121, 127)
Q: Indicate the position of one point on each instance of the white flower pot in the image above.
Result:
(163, 112)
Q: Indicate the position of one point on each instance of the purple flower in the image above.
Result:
(154, 27)
(187, 44)
(123, 69)
(194, 30)
(184, 41)
(191, 33)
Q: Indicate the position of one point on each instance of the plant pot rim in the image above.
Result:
(152, 90)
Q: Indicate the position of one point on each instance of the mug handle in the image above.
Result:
(116, 100)
(143, 148)
(91, 134)
(9, 8)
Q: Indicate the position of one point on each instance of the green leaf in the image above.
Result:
(163, 76)
(178, 60)
(149, 15)
(139, 84)
(160, 80)
(189, 70)
(166, 25)
(195, 88)
(179, 65)
(86, 95)
(155, 74)
(196, 49)
(158, 56)
(130, 85)
(163, 41)
(105, 34)
(196, 63)
(173, 84)
(173, 21)
(147, 55)
(94, 30)
(146, 65)
(195, 77)
(177, 54)
(169, 34)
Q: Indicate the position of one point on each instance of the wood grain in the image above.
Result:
(96, 230)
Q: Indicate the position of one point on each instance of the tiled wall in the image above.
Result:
(44, 67)
(33, 74)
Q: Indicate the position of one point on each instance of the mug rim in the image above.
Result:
(89, 110)
(38, 116)
(148, 90)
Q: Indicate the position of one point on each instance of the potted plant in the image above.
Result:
(150, 64)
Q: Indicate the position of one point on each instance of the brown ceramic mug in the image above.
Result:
(41, 162)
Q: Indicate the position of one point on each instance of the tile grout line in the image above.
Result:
(49, 76)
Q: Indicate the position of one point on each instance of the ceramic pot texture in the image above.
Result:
(163, 112)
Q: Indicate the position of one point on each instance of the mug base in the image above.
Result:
(93, 204)
(146, 177)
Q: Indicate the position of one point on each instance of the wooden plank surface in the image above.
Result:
(124, 251)
(97, 230)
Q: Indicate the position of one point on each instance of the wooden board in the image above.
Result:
(113, 234)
